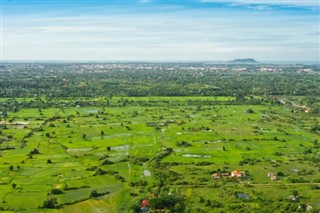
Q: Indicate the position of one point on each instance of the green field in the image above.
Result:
(112, 149)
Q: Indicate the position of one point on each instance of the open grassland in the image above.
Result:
(104, 158)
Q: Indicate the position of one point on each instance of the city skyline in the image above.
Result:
(146, 30)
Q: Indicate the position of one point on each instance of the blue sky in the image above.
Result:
(159, 30)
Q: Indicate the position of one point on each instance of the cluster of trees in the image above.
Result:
(77, 80)
(167, 202)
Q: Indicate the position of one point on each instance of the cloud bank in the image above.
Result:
(158, 32)
(312, 3)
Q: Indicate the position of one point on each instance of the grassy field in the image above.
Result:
(106, 149)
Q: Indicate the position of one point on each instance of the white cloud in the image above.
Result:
(312, 3)
(251, 6)
(190, 34)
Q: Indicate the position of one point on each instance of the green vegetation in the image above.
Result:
(108, 153)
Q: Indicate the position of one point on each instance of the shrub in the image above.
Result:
(94, 193)
(56, 191)
(50, 203)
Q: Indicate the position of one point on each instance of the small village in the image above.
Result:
(234, 174)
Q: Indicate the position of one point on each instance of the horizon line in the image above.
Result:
(155, 61)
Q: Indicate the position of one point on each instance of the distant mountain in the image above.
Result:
(244, 60)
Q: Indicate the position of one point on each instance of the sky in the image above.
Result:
(160, 30)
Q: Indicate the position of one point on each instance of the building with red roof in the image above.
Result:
(236, 173)
(216, 175)
(144, 203)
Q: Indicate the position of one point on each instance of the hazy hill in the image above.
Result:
(244, 60)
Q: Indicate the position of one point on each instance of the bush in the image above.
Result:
(183, 144)
(314, 187)
(107, 162)
(280, 174)
(94, 193)
(99, 172)
(14, 185)
(134, 208)
(56, 191)
(173, 202)
(51, 203)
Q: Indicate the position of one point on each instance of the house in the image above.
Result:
(294, 198)
(273, 177)
(236, 173)
(216, 175)
(309, 207)
(307, 110)
(144, 203)
(144, 207)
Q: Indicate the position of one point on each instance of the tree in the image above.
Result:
(14, 185)
(315, 128)
(11, 167)
(50, 203)
(4, 113)
(216, 204)
(94, 194)
(280, 174)
(175, 203)
(33, 152)
(134, 208)
(56, 191)
(249, 111)
(201, 199)
(295, 193)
